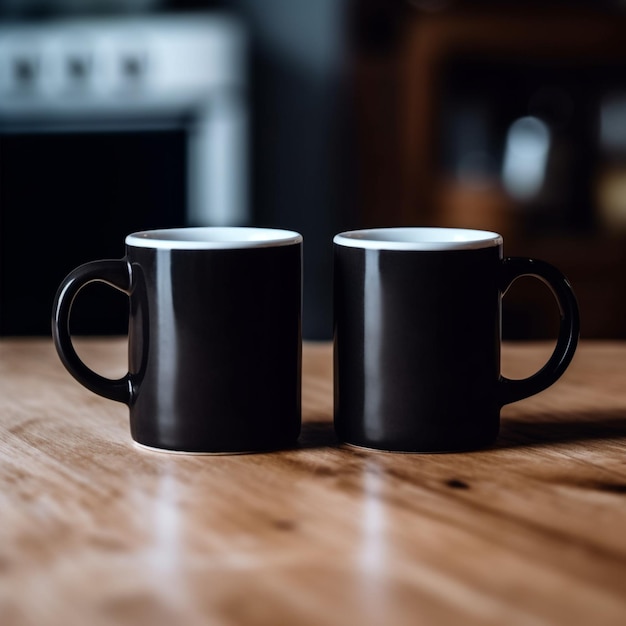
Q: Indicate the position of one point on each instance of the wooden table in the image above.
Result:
(95, 531)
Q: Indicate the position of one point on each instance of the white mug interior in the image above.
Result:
(213, 238)
(418, 238)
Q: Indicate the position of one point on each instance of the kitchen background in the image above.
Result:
(319, 116)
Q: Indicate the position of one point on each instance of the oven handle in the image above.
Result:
(114, 272)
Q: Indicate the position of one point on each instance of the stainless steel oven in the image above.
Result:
(107, 126)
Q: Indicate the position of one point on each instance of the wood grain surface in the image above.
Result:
(94, 531)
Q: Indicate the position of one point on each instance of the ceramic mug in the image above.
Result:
(214, 337)
(417, 336)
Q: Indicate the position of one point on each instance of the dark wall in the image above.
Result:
(302, 160)
(302, 147)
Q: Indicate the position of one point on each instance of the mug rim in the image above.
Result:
(213, 238)
(418, 238)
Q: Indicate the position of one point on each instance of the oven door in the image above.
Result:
(71, 197)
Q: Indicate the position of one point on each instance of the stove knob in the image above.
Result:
(25, 71)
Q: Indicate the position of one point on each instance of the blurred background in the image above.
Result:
(318, 116)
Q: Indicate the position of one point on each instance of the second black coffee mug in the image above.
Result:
(214, 337)
(417, 337)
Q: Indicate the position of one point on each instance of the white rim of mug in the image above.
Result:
(418, 238)
(213, 238)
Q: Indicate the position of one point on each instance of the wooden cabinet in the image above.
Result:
(415, 99)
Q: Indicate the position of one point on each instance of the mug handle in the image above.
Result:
(114, 272)
(569, 328)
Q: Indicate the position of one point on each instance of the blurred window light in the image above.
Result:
(525, 157)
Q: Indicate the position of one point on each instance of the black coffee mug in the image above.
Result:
(214, 337)
(417, 337)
